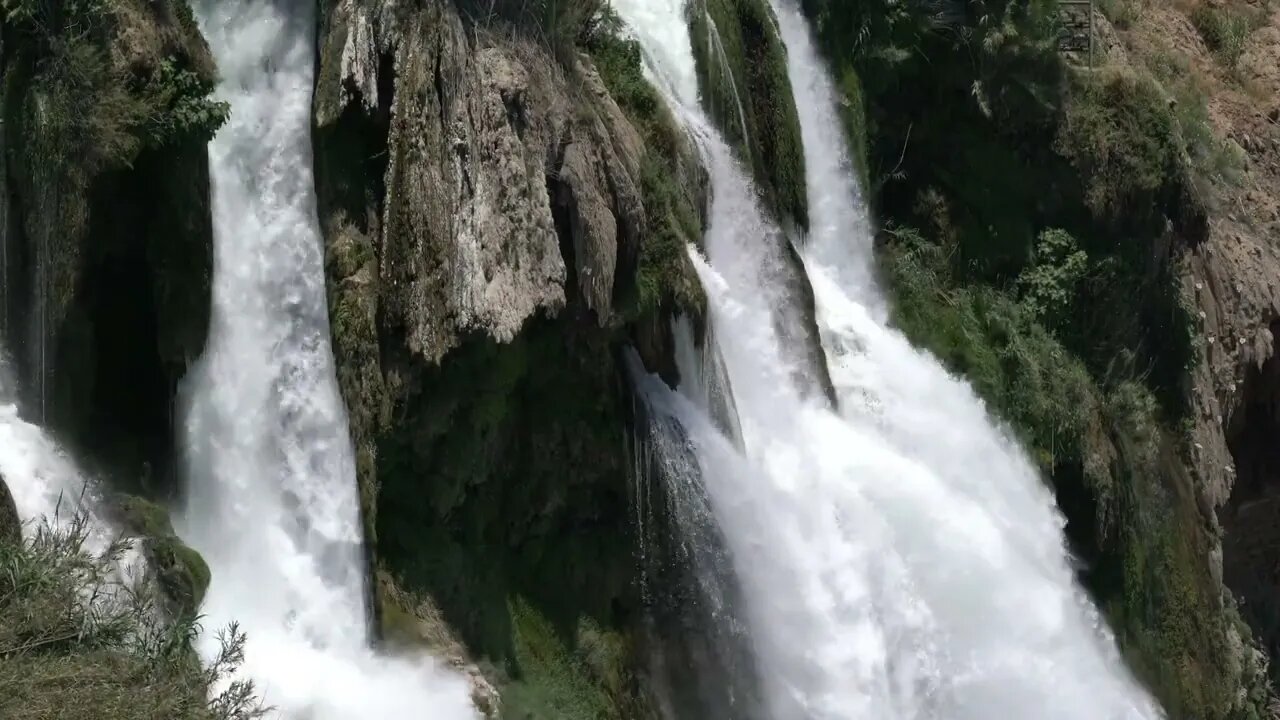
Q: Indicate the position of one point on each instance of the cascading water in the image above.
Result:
(272, 502)
(45, 482)
(899, 559)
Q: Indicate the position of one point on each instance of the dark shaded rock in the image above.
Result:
(10, 523)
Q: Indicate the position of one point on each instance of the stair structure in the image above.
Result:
(1075, 27)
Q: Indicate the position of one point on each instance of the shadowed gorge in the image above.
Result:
(1251, 545)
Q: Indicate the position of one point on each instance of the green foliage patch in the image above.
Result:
(77, 643)
(664, 274)
(83, 114)
(1121, 136)
(740, 57)
(1225, 29)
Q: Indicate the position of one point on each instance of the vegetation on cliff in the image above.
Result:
(107, 109)
(494, 463)
(1017, 222)
(79, 641)
(742, 72)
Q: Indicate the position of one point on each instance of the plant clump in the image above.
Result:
(77, 641)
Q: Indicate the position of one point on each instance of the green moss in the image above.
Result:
(10, 523)
(665, 277)
(757, 68)
(551, 682)
(143, 517)
(183, 573)
(853, 111)
(398, 625)
(507, 475)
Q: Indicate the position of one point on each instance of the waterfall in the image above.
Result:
(46, 483)
(899, 559)
(271, 497)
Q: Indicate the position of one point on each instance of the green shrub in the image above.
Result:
(1119, 132)
(84, 114)
(551, 681)
(1012, 361)
(181, 106)
(1122, 13)
(1213, 163)
(1224, 30)
(1050, 284)
(78, 643)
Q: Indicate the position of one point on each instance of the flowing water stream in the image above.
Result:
(272, 500)
(899, 558)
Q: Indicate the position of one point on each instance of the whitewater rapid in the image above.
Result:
(900, 558)
(45, 482)
(271, 499)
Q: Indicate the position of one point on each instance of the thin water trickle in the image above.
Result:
(271, 496)
(898, 559)
(721, 60)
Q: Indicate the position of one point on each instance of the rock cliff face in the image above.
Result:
(1234, 276)
(497, 229)
(107, 241)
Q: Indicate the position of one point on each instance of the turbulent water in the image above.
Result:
(899, 558)
(272, 502)
(45, 482)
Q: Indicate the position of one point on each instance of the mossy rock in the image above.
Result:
(183, 574)
(139, 516)
(672, 186)
(756, 75)
(10, 522)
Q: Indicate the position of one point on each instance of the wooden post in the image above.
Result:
(1090, 34)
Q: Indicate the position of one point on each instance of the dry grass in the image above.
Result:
(79, 642)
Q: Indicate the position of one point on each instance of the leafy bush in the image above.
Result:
(1122, 13)
(77, 640)
(1120, 134)
(85, 114)
(1224, 30)
(1049, 285)
(996, 342)
(51, 18)
(185, 108)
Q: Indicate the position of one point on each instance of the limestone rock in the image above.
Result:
(489, 145)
